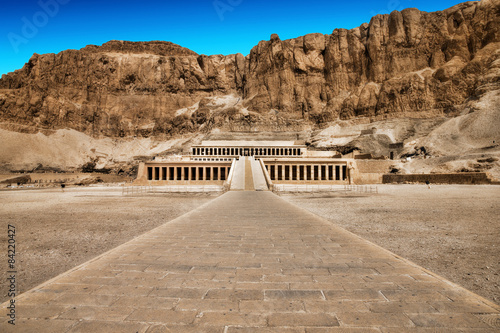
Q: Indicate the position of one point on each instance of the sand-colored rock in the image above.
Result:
(407, 62)
(407, 65)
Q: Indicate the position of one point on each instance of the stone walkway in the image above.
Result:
(249, 184)
(250, 262)
(259, 179)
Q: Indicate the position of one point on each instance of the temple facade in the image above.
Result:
(282, 162)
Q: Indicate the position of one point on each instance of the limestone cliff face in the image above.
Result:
(118, 89)
(405, 62)
(408, 63)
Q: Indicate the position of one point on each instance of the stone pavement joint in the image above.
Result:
(248, 261)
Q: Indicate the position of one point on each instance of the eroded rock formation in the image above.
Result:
(407, 63)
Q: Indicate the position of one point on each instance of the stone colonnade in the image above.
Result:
(242, 151)
(307, 172)
(187, 173)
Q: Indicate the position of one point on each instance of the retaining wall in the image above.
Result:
(439, 178)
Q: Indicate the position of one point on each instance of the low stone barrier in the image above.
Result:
(439, 178)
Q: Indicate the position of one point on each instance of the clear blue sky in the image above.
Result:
(204, 26)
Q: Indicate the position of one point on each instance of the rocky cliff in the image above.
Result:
(405, 64)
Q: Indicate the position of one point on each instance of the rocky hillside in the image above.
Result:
(406, 64)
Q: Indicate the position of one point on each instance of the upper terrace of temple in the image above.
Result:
(248, 148)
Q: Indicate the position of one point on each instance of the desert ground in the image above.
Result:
(451, 230)
(59, 230)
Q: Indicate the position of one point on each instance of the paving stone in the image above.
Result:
(75, 299)
(294, 294)
(271, 306)
(354, 295)
(290, 278)
(146, 302)
(463, 307)
(212, 305)
(37, 325)
(240, 294)
(401, 307)
(458, 294)
(254, 329)
(261, 285)
(108, 327)
(37, 297)
(316, 286)
(179, 293)
(341, 330)
(460, 320)
(421, 330)
(266, 266)
(40, 312)
(371, 285)
(369, 319)
(230, 318)
(96, 313)
(414, 296)
(162, 316)
(326, 306)
(184, 329)
(123, 290)
(302, 319)
(69, 288)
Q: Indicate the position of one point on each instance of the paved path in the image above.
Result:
(238, 181)
(250, 262)
(259, 179)
(249, 186)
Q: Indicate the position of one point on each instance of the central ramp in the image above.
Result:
(249, 261)
(248, 175)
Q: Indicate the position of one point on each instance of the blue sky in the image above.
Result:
(204, 26)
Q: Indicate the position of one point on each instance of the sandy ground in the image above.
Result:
(451, 230)
(57, 231)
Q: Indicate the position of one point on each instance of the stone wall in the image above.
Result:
(441, 178)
